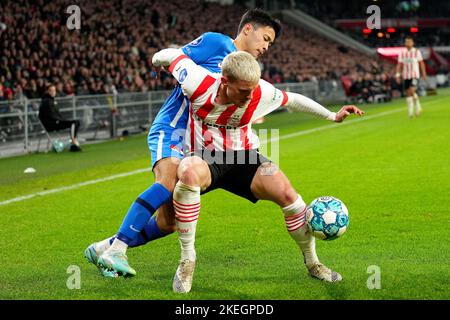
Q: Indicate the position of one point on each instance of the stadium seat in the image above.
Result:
(55, 139)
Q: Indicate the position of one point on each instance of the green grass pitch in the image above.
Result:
(392, 173)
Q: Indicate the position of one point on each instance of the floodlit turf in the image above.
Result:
(391, 172)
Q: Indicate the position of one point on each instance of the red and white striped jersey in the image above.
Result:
(410, 60)
(221, 127)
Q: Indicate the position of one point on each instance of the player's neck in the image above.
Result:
(238, 43)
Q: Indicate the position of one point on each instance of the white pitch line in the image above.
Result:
(74, 186)
(130, 173)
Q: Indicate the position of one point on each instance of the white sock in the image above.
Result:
(295, 218)
(103, 245)
(118, 245)
(417, 103)
(410, 103)
(186, 202)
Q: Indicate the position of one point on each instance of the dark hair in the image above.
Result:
(260, 18)
(49, 85)
(409, 37)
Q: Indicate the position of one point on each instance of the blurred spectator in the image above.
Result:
(359, 90)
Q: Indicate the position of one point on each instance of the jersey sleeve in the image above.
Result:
(188, 74)
(202, 48)
(271, 99)
(419, 55)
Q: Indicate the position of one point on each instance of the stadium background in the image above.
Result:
(104, 77)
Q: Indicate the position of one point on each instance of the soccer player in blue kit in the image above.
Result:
(256, 33)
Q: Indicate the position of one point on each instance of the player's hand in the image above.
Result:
(158, 59)
(158, 70)
(346, 111)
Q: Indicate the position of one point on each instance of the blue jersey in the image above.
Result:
(208, 51)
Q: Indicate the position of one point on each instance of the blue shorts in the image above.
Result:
(165, 141)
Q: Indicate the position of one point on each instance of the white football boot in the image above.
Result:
(182, 281)
(321, 272)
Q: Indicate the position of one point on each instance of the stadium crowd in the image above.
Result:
(112, 51)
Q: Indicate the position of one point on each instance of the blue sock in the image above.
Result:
(151, 232)
(141, 211)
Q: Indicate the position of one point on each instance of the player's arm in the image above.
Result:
(187, 73)
(399, 68)
(423, 70)
(299, 103)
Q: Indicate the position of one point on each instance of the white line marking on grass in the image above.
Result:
(74, 186)
(126, 174)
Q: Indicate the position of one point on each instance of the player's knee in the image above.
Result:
(188, 171)
(166, 173)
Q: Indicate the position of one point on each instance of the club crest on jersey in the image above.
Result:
(197, 41)
(183, 75)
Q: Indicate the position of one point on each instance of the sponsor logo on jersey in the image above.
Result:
(275, 95)
(183, 75)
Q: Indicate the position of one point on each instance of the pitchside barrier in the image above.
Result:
(108, 116)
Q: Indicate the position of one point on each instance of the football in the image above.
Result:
(327, 218)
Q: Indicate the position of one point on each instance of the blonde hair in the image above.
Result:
(241, 65)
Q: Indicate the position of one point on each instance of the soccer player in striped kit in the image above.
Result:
(257, 31)
(224, 151)
(409, 61)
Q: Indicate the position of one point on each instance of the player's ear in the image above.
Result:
(224, 80)
(247, 29)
